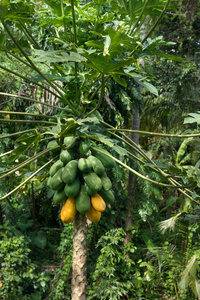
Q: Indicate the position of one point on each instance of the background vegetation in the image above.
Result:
(160, 258)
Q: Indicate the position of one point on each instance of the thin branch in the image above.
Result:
(23, 164)
(25, 181)
(139, 18)
(29, 99)
(16, 133)
(157, 134)
(136, 173)
(100, 98)
(24, 114)
(27, 121)
(152, 28)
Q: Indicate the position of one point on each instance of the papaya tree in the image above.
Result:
(70, 51)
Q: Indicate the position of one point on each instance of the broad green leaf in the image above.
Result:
(39, 239)
(120, 150)
(27, 142)
(57, 56)
(182, 149)
(193, 118)
(119, 80)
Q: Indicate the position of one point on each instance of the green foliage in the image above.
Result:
(60, 286)
(112, 278)
(20, 277)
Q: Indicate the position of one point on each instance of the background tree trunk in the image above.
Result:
(1, 215)
(79, 279)
(132, 187)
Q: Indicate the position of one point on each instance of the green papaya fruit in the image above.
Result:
(48, 181)
(55, 167)
(72, 189)
(108, 162)
(93, 181)
(70, 171)
(106, 182)
(59, 196)
(52, 144)
(69, 141)
(90, 191)
(84, 146)
(97, 165)
(107, 196)
(66, 155)
(84, 165)
(56, 182)
(83, 201)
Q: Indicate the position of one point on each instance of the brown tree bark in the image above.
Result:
(79, 278)
(132, 188)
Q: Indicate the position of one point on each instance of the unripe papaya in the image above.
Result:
(66, 156)
(70, 171)
(93, 181)
(55, 167)
(48, 181)
(107, 196)
(83, 201)
(72, 189)
(98, 203)
(68, 211)
(93, 215)
(84, 165)
(69, 141)
(106, 182)
(90, 191)
(84, 145)
(56, 182)
(59, 196)
(97, 165)
(107, 161)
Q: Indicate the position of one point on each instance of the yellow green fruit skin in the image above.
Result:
(68, 141)
(56, 182)
(55, 167)
(97, 165)
(66, 156)
(70, 171)
(90, 191)
(93, 181)
(106, 182)
(84, 165)
(59, 196)
(84, 146)
(107, 196)
(98, 203)
(93, 215)
(83, 201)
(108, 162)
(68, 211)
(72, 189)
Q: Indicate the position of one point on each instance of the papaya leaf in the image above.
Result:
(39, 239)
(119, 80)
(27, 141)
(193, 118)
(120, 150)
(57, 56)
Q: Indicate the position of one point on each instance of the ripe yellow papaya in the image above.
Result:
(98, 203)
(93, 215)
(68, 211)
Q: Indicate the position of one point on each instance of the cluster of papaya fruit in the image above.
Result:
(80, 181)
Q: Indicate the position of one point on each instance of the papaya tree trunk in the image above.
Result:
(132, 189)
(79, 279)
